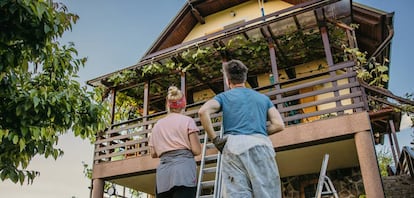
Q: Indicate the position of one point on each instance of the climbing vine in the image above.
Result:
(375, 74)
(293, 48)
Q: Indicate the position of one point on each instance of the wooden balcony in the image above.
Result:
(337, 112)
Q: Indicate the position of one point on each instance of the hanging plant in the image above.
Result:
(153, 68)
(372, 72)
(123, 77)
(253, 52)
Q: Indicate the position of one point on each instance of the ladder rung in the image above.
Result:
(210, 146)
(209, 170)
(206, 196)
(210, 157)
(206, 184)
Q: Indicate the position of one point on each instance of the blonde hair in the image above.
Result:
(174, 94)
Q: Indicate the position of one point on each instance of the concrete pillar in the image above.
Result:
(98, 188)
(369, 166)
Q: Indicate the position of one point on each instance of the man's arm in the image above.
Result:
(211, 106)
(276, 122)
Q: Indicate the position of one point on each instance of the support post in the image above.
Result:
(98, 188)
(145, 113)
(183, 84)
(327, 47)
(394, 135)
(275, 73)
(113, 106)
(226, 86)
(371, 177)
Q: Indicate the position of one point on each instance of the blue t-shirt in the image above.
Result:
(244, 111)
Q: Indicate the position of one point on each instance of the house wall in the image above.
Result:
(347, 182)
(203, 95)
(243, 12)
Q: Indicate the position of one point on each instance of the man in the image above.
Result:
(249, 166)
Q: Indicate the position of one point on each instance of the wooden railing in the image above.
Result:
(130, 138)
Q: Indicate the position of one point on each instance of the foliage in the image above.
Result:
(368, 69)
(40, 98)
(384, 160)
(372, 72)
(296, 47)
(375, 74)
(128, 107)
(299, 46)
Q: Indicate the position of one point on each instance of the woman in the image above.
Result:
(174, 140)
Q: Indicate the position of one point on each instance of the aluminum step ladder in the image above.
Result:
(209, 179)
(325, 186)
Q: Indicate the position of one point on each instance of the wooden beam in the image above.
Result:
(197, 15)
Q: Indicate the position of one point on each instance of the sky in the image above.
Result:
(116, 34)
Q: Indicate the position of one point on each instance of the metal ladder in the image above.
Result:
(325, 186)
(211, 187)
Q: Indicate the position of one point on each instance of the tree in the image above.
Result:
(40, 98)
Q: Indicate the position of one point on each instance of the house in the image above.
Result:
(300, 53)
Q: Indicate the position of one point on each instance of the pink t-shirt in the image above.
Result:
(171, 133)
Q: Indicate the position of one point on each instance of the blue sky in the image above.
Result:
(115, 34)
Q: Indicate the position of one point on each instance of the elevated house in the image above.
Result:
(300, 53)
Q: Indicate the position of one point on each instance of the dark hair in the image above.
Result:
(236, 71)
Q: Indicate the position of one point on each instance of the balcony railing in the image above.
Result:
(406, 162)
(333, 92)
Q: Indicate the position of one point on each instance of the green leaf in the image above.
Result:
(27, 106)
(22, 144)
(24, 131)
(25, 65)
(36, 101)
(3, 133)
(55, 154)
(15, 139)
(21, 177)
(46, 28)
(384, 78)
(18, 111)
(40, 10)
(35, 133)
(382, 68)
(3, 174)
(49, 111)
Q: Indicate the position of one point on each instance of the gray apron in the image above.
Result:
(176, 168)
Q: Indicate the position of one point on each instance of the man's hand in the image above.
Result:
(219, 143)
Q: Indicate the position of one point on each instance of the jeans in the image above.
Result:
(253, 173)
